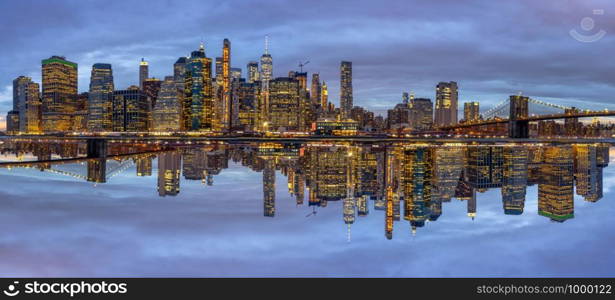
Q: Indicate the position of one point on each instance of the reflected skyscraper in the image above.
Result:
(555, 192)
(269, 188)
(587, 176)
(418, 170)
(415, 181)
(169, 169)
(514, 179)
(144, 166)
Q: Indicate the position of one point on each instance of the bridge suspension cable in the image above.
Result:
(499, 107)
(552, 105)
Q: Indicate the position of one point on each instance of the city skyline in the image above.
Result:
(485, 64)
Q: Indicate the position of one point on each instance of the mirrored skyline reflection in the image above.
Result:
(343, 209)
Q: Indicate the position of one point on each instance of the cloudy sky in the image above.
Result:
(492, 49)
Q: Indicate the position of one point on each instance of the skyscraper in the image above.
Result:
(179, 69)
(471, 111)
(324, 96)
(252, 71)
(27, 101)
(219, 75)
(555, 191)
(315, 90)
(59, 93)
(266, 74)
(346, 88)
(269, 188)
(151, 88)
(226, 85)
(12, 122)
(143, 72)
(446, 103)
(167, 111)
(169, 169)
(235, 74)
(130, 110)
(421, 113)
(514, 179)
(284, 106)
(100, 98)
(198, 105)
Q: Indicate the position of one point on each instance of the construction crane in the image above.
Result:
(302, 64)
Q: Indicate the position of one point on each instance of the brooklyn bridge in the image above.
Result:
(518, 117)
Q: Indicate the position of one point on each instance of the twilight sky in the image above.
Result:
(491, 48)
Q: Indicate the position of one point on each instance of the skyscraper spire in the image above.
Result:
(266, 44)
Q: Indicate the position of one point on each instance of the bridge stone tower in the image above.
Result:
(518, 126)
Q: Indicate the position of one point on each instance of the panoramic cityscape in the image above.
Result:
(208, 97)
(307, 139)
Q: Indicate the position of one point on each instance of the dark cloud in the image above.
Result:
(492, 49)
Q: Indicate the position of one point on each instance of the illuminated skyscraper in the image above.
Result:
(485, 166)
(324, 96)
(514, 179)
(346, 101)
(143, 72)
(284, 104)
(144, 166)
(169, 169)
(249, 96)
(447, 166)
(130, 110)
(266, 74)
(100, 98)
(252, 71)
(59, 93)
(555, 192)
(167, 111)
(269, 188)
(226, 85)
(151, 89)
(471, 111)
(27, 101)
(417, 174)
(198, 110)
(315, 94)
(446, 104)
(586, 172)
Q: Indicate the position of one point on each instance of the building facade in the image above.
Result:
(100, 98)
(346, 101)
(446, 104)
(59, 93)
